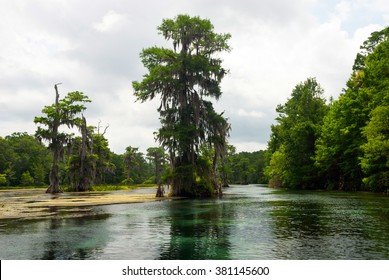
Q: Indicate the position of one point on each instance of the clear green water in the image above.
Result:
(249, 222)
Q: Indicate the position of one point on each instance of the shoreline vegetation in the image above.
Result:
(32, 203)
(97, 188)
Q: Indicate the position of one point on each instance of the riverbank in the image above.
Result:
(35, 204)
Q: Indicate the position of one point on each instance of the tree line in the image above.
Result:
(26, 161)
(342, 144)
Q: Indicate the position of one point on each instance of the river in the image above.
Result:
(249, 222)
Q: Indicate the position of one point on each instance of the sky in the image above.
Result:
(94, 47)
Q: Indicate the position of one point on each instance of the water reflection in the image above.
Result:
(199, 229)
(299, 227)
(250, 234)
(310, 225)
(78, 238)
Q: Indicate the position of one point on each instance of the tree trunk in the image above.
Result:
(160, 191)
(183, 179)
(86, 171)
(56, 146)
(54, 176)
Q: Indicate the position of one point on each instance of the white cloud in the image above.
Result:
(110, 21)
(250, 146)
(342, 11)
(251, 114)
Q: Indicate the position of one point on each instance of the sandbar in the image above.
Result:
(36, 204)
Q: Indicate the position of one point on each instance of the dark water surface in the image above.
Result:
(249, 222)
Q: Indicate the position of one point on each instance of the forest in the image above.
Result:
(340, 144)
(26, 161)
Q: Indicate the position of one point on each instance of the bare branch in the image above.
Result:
(105, 130)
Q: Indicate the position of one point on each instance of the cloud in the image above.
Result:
(111, 21)
(251, 114)
(342, 11)
(275, 45)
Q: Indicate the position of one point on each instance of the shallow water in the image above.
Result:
(249, 222)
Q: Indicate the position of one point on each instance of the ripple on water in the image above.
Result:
(249, 222)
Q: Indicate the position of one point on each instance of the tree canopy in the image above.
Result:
(343, 146)
(292, 143)
(23, 160)
(64, 112)
(183, 76)
(344, 149)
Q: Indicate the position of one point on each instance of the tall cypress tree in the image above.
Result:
(183, 76)
(64, 112)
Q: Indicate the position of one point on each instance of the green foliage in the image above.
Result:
(118, 172)
(90, 159)
(167, 176)
(128, 182)
(138, 170)
(24, 161)
(342, 154)
(292, 144)
(64, 112)
(104, 188)
(21, 153)
(26, 179)
(245, 168)
(337, 149)
(277, 170)
(39, 172)
(3, 179)
(368, 47)
(104, 166)
(82, 164)
(183, 77)
(150, 181)
(375, 160)
(156, 155)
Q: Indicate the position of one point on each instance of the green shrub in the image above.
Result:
(3, 179)
(26, 179)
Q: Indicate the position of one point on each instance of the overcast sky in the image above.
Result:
(94, 46)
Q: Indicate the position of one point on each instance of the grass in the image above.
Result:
(146, 185)
(22, 187)
(97, 188)
(102, 188)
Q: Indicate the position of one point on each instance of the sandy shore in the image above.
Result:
(36, 204)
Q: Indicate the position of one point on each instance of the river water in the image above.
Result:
(249, 222)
